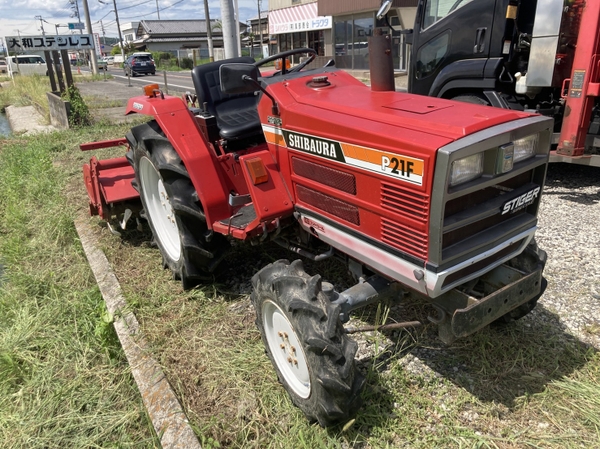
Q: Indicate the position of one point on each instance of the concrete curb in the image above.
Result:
(169, 420)
(26, 119)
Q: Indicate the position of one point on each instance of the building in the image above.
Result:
(175, 35)
(354, 22)
(254, 31)
(129, 31)
(297, 24)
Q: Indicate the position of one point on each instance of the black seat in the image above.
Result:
(237, 116)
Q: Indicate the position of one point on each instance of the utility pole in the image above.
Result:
(211, 54)
(237, 27)
(76, 13)
(41, 24)
(228, 19)
(103, 33)
(260, 31)
(88, 25)
(157, 10)
(119, 30)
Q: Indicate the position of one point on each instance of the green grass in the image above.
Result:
(64, 381)
(31, 91)
(527, 385)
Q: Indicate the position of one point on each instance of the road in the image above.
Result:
(179, 81)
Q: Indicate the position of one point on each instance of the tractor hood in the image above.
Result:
(335, 105)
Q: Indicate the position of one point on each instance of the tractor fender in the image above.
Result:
(180, 127)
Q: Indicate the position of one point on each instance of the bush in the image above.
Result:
(79, 114)
(187, 63)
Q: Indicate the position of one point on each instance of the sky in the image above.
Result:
(21, 14)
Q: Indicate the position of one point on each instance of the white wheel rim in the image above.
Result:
(286, 349)
(159, 209)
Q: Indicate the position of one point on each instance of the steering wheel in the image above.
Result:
(284, 54)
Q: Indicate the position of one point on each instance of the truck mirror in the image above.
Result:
(238, 78)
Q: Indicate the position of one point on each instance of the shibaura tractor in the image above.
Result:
(414, 194)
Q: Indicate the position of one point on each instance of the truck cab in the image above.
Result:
(523, 55)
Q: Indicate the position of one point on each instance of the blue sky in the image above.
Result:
(20, 14)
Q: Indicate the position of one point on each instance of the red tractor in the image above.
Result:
(419, 194)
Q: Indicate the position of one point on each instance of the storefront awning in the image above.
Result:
(298, 18)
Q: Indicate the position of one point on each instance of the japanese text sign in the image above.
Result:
(41, 43)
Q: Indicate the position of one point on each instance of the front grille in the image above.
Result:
(404, 202)
(476, 219)
(404, 238)
(481, 264)
(328, 204)
(331, 177)
(483, 214)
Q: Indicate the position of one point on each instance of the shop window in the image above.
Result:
(316, 41)
(363, 29)
(351, 41)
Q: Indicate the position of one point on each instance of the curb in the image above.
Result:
(26, 119)
(169, 420)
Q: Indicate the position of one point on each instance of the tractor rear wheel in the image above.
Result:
(305, 340)
(172, 208)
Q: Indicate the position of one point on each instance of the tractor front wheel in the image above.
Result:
(305, 340)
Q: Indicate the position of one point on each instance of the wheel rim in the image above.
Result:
(160, 209)
(286, 349)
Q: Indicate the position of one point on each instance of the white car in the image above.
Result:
(27, 65)
(109, 59)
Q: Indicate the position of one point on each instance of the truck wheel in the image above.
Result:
(172, 208)
(305, 340)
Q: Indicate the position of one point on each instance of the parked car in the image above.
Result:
(3, 66)
(139, 64)
(28, 65)
(101, 63)
(109, 60)
(143, 53)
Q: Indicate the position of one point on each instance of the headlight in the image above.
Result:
(466, 169)
(526, 147)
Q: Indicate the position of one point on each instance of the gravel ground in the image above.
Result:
(569, 231)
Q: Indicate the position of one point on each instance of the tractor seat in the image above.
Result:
(237, 115)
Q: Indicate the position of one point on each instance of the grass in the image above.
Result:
(523, 386)
(64, 381)
(31, 91)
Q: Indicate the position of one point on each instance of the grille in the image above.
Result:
(404, 238)
(474, 220)
(480, 264)
(404, 202)
(328, 204)
(330, 177)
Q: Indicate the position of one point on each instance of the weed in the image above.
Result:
(79, 114)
